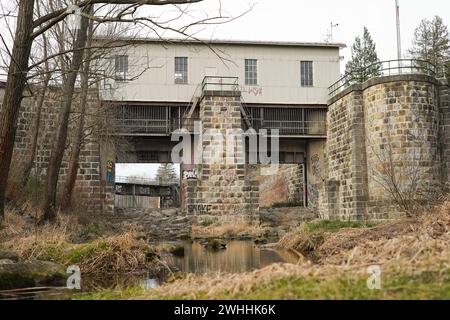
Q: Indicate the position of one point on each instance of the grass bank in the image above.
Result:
(264, 285)
(105, 254)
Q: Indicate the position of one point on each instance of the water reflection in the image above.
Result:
(149, 283)
(239, 256)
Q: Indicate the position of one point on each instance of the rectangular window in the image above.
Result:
(251, 72)
(121, 67)
(307, 78)
(181, 70)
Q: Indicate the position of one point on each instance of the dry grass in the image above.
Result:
(210, 286)
(229, 229)
(52, 242)
(117, 254)
(301, 241)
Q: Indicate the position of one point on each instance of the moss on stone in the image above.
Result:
(31, 273)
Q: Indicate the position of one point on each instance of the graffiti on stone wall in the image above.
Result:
(199, 208)
(313, 193)
(110, 170)
(315, 165)
(190, 174)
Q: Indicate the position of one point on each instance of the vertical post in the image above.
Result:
(399, 43)
(305, 185)
(167, 120)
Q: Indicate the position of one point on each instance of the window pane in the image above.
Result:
(251, 71)
(121, 67)
(306, 71)
(181, 70)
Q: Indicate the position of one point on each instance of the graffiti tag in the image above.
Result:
(200, 208)
(190, 174)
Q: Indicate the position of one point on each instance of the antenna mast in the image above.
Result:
(399, 43)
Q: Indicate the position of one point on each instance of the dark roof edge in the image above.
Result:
(229, 42)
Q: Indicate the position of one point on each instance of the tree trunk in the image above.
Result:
(58, 146)
(35, 135)
(15, 85)
(74, 158)
(37, 122)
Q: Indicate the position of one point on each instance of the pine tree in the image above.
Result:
(432, 43)
(166, 172)
(364, 63)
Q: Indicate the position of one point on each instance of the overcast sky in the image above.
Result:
(309, 20)
(141, 170)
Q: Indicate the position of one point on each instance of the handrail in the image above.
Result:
(192, 103)
(383, 68)
(203, 86)
(216, 83)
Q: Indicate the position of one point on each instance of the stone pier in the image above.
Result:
(222, 189)
(387, 136)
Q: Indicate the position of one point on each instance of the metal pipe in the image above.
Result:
(399, 43)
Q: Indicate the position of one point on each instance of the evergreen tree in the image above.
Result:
(432, 42)
(166, 172)
(364, 63)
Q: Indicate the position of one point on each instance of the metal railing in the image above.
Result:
(193, 103)
(380, 69)
(143, 126)
(297, 128)
(213, 83)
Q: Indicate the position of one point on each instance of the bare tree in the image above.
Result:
(59, 142)
(46, 76)
(28, 29)
(15, 85)
(74, 158)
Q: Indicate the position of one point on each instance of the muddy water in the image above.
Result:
(239, 256)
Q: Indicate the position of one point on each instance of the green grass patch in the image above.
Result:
(335, 225)
(85, 251)
(435, 286)
(123, 294)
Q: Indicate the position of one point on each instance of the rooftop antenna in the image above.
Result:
(332, 25)
(399, 43)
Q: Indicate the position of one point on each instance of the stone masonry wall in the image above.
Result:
(401, 128)
(88, 191)
(316, 170)
(389, 127)
(284, 185)
(221, 189)
(346, 158)
(444, 131)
